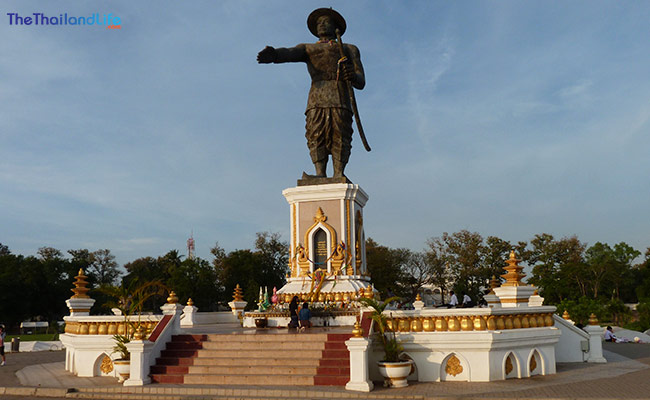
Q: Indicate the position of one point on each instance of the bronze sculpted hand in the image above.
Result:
(266, 56)
(348, 71)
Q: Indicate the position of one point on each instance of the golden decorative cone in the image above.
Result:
(190, 302)
(238, 294)
(593, 320)
(418, 298)
(566, 315)
(80, 288)
(358, 330)
(139, 333)
(172, 299)
(513, 276)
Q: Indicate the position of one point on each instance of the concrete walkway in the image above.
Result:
(626, 375)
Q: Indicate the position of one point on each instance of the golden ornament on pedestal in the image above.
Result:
(172, 299)
(80, 290)
(514, 275)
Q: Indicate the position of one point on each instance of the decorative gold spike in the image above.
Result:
(593, 320)
(357, 332)
(80, 290)
(320, 216)
(494, 283)
(566, 315)
(514, 275)
(190, 302)
(238, 294)
(139, 333)
(172, 299)
(418, 298)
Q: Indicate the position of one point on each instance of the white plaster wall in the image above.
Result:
(475, 350)
(569, 347)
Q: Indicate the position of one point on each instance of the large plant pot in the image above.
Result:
(395, 372)
(123, 369)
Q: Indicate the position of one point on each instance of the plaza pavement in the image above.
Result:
(41, 375)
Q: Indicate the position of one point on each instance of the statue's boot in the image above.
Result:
(321, 168)
(339, 167)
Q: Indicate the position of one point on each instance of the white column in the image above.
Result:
(595, 344)
(359, 380)
(140, 353)
(237, 307)
(188, 319)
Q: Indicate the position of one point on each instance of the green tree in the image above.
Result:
(557, 267)
(196, 279)
(384, 266)
(104, 267)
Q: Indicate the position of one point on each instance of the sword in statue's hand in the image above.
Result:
(353, 100)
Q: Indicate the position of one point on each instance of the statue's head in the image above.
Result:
(323, 22)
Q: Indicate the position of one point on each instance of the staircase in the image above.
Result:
(255, 358)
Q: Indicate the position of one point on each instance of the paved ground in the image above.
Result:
(626, 376)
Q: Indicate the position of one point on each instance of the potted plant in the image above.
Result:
(129, 300)
(392, 367)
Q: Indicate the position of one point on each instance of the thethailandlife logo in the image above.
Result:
(109, 21)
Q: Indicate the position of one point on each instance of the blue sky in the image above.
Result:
(506, 118)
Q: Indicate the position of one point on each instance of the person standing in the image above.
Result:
(3, 334)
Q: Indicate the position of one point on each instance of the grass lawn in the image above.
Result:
(41, 337)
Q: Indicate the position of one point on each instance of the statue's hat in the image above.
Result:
(336, 18)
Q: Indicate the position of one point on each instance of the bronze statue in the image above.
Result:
(334, 69)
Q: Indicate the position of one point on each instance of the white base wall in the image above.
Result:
(475, 350)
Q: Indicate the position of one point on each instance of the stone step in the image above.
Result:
(177, 345)
(266, 379)
(323, 380)
(189, 338)
(334, 370)
(230, 392)
(170, 369)
(261, 353)
(278, 337)
(255, 346)
(223, 361)
(174, 361)
(235, 369)
(179, 353)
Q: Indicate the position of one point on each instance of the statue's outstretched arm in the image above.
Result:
(282, 55)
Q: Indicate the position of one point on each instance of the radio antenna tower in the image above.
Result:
(190, 246)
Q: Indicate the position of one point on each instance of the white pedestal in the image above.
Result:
(359, 376)
(140, 364)
(595, 344)
(327, 234)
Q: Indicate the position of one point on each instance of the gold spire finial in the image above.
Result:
(172, 299)
(139, 333)
(418, 298)
(494, 283)
(238, 294)
(593, 320)
(513, 276)
(566, 315)
(190, 302)
(320, 216)
(357, 332)
(80, 288)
